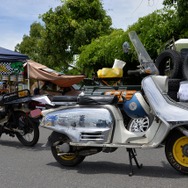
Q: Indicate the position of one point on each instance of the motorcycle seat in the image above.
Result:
(97, 100)
(64, 98)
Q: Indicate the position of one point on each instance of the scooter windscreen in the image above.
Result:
(145, 60)
(136, 107)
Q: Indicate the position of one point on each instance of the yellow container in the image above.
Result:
(110, 73)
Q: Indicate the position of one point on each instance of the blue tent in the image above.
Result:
(11, 56)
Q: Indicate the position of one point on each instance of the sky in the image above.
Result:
(16, 16)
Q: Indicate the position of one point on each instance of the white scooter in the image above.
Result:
(86, 125)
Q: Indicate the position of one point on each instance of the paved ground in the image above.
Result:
(23, 167)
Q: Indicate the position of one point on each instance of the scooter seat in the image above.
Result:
(97, 100)
(64, 98)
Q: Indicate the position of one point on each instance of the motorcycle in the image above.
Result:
(86, 125)
(16, 109)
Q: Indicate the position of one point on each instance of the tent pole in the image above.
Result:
(28, 80)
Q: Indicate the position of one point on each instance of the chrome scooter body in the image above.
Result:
(103, 125)
(87, 125)
(95, 123)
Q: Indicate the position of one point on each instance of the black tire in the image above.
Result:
(173, 87)
(169, 63)
(173, 95)
(176, 150)
(70, 159)
(185, 68)
(174, 84)
(30, 130)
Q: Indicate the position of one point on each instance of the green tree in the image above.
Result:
(182, 10)
(154, 30)
(71, 26)
(102, 52)
(30, 45)
(64, 31)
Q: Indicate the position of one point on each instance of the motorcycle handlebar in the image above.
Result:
(134, 72)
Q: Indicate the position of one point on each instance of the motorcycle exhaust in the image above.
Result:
(13, 130)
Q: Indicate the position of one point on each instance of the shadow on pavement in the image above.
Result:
(103, 167)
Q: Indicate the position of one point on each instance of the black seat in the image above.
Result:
(64, 98)
(97, 100)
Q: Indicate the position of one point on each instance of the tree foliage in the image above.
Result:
(156, 29)
(101, 52)
(182, 11)
(30, 45)
(153, 30)
(83, 27)
(68, 27)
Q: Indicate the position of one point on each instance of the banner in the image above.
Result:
(7, 68)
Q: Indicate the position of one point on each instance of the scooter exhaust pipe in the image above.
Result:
(65, 148)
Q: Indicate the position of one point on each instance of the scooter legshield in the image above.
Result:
(81, 124)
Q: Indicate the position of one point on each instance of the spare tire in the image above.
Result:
(185, 68)
(174, 84)
(169, 63)
(173, 87)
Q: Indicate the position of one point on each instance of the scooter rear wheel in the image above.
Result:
(176, 149)
(71, 158)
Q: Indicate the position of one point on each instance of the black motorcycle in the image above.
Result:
(15, 119)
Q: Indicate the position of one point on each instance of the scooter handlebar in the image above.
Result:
(134, 72)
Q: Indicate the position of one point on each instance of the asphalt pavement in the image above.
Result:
(23, 167)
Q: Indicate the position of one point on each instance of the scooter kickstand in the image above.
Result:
(132, 155)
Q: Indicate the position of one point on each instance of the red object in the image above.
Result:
(35, 113)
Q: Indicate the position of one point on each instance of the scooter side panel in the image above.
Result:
(167, 111)
(82, 123)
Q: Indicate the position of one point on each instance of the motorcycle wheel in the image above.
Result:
(66, 159)
(139, 124)
(30, 135)
(176, 150)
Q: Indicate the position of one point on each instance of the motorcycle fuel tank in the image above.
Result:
(81, 124)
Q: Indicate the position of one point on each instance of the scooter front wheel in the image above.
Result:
(176, 149)
(69, 158)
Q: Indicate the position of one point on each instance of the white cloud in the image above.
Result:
(17, 16)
